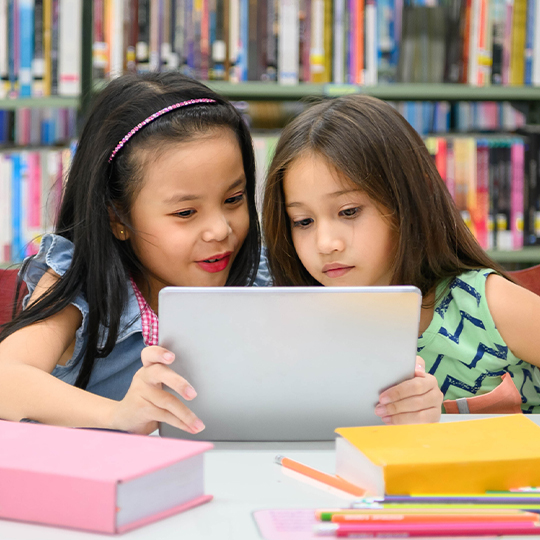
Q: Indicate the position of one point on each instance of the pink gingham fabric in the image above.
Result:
(150, 324)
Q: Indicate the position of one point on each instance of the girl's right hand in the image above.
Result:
(146, 403)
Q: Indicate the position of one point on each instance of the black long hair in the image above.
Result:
(95, 188)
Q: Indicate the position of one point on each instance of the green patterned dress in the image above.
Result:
(463, 349)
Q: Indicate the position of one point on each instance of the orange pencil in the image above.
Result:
(422, 518)
(328, 479)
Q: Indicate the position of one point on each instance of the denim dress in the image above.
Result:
(112, 375)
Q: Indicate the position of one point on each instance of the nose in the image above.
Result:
(328, 238)
(217, 228)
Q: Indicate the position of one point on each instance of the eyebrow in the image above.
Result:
(334, 195)
(179, 198)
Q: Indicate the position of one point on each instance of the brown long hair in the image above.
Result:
(367, 141)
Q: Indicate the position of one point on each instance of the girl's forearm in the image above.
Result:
(29, 392)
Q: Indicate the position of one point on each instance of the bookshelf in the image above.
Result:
(38, 102)
(253, 90)
(525, 98)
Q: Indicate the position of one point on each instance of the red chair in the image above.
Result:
(528, 278)
(8, 283)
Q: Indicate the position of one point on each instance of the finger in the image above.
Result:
(156, 355)
(411, 404)
(163, 416)
(157, 374)
(425, 416)
(167, 402)
(420, 369)
(411, 387)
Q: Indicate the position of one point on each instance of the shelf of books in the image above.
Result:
(465, 74)
(39, 102)
(256, 90)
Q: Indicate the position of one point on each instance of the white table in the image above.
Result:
(242, 477)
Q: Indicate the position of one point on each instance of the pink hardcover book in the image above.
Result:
(96, 480)
(516, 208)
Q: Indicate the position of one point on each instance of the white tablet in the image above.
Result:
(288, 363)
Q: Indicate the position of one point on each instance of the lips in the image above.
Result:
(215, 263)
(335, 270)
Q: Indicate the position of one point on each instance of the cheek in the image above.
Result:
(242, 223)
(301, 245)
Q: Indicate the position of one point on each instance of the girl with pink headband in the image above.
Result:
(160, 192)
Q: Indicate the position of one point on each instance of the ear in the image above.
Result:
(120, 231)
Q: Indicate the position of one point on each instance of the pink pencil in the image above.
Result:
(404, 530)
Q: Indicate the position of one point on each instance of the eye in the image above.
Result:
(302, 223)
(350, 212)
(185, 213)
(235, 198)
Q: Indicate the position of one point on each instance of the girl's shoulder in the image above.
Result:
(468, 291)
(55, 253)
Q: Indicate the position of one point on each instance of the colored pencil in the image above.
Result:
(328, 513)
(480, 506)
(328, 479)
(506, 498)
(433, 518)
(425, 529)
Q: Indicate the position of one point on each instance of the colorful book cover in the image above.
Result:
(38, 61)
(288, 51)
(517, 54)
(204, 65)
(485, 44)
(243, 43)
(328, 31)
(481, 211)
(127, 480)
(179, 32)
(33, 203)
(339, 42)
(450, 168)
(234, 39)
(504, 217)
(497, 8)
(142, 49)
(272, 33)
(529, 41)
(517, 187)
(13, 49)
(452, 457)
(3, 48)
(47, 21)
(359, 41)
(317, 52)
(536, 47)
(304, 27)
(16, 208)
(386, 44)
(474, 33)
(55, 37)
(371, 43)
(26, 46)
(253, 44)
(507, 46)
(6, 174)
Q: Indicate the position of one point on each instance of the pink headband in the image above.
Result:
(153, 117)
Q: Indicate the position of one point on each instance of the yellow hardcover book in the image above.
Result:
(328, 33)
(470, 456)
(47, 19)
(517, 50)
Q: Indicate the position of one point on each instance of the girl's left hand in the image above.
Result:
(416, 401)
